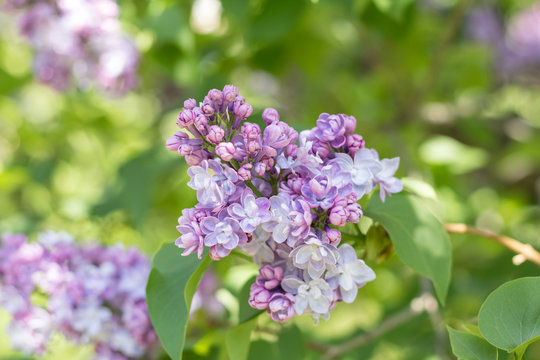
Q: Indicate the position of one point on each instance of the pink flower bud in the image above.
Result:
(185, 118)
(339, 215)
(281, 307)
(225, 150)
(333, 236)
(270, 116)
(242, 109)
(244, 173)
(291, 150)
(215, 95)
(230, 92)
(259, 297)
(260, 168)
(208, 109)
(251, 131)
(349, 123)
(215, 134)
(253, 146)
(195, 158)
(189, 104)
(355, 142)
(174, 141)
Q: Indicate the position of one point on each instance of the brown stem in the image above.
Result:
(523, 250)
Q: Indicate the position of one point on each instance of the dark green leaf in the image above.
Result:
(275, 20)
(418, 237)
(510, 316)
(471, 347)
(171, 285)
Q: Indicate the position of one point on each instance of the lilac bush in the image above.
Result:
(78, 42)
(90, 293)
(516, 43)
(281, 197)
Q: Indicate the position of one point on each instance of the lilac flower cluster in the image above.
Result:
(516, 44)
(78, 41)
(281, 197)
(89, 293)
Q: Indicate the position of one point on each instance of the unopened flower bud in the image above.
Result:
(333, 236)
(349, 123)
(225, 151)
(355, 142)
(215, 134)
(244, 173)
(260, 168)
(258, 297)
(189, 104)
(270, 116)
(230, 92)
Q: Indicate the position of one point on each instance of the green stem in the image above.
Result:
(252, 187)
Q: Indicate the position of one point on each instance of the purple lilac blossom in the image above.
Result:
(93, 295)
(278, 195)
(251, 212)
(223, 235)
(79, 42)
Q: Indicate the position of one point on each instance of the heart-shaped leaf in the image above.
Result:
(510, 316)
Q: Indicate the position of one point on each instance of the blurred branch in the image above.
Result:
(425, 302)
(524, 251)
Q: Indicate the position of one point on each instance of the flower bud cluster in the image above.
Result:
(89, 293)
(281, 197)
(78, 42)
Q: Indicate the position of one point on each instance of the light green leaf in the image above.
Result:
(246, 312)
(460, 158)
(471, 347)
(392, 8)
(418, 237)
(419, 187)
(171, 285)
(510, 316)
(238, 340)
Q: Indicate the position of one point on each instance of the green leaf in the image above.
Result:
(264, 350)
(275, 20)
(237, 340)
(171, 285)
(245, 311)
(418, 237)
(237, 9)
(471, 347)
(393, 8)
(290, 343)
(510, 316)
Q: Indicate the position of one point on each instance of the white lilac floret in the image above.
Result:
(281, 197)
(350, 274)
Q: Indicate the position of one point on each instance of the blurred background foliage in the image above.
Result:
(420, 87)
